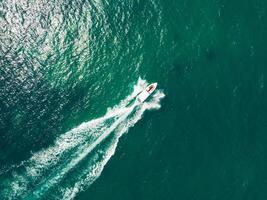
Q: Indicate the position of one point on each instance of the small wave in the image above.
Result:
(77, 157)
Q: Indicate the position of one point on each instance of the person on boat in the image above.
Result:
(150, 88)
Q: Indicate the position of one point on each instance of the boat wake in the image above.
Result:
(77, 157)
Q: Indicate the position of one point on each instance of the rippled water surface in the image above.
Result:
(69, 74)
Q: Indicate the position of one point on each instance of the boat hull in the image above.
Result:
(146, 93)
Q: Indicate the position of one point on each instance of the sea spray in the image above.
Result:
(92, 143)
(94, 171)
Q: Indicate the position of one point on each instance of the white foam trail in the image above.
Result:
(50, 156)
(86, 150)
(41, 173)
(93, 173)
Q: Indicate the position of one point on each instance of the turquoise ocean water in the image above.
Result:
(69, 74)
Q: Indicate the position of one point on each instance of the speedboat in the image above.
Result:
(146, 92)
